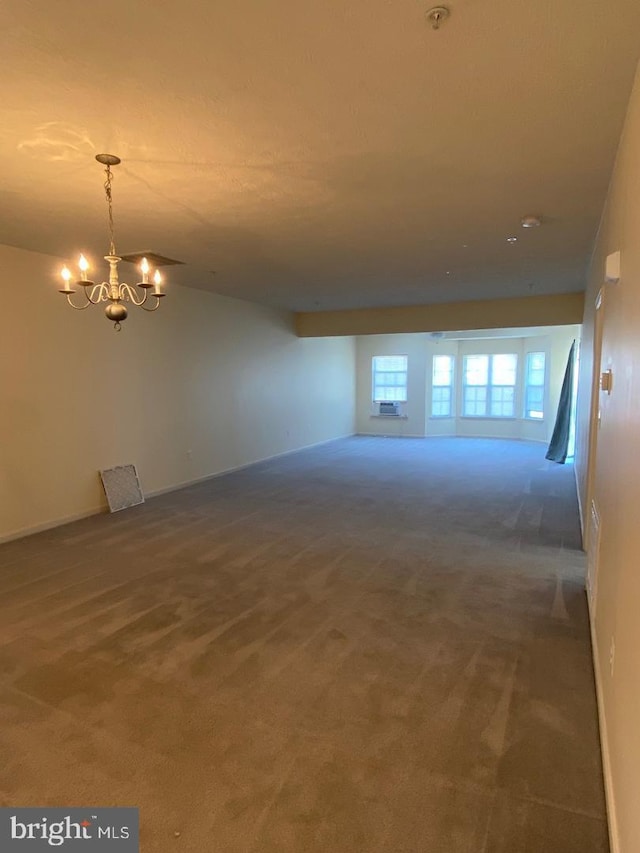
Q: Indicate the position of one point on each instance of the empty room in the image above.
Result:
(320, 420)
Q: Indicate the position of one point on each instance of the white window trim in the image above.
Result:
(373, 378)
(525, 386)
(451, 387)
(489, 386)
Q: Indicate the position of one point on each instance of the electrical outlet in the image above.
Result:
(189, 454)
(612, 655)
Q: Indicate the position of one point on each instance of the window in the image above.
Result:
(390, 378)
(489, 386)
(534, 386)
(442, 387)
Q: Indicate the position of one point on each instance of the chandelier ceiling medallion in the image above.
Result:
(113, 292)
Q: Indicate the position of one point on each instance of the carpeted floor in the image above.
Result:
(374, 645)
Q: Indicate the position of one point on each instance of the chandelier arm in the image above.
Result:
(127, 292)
(155, 307)
(79, 307)
(99, 293)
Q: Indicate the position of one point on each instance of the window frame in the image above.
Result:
(487, 389)
(450, 387)
(527, 385)
(375, 385)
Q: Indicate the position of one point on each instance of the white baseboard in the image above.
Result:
(390, 435)
(21, 532)
(59, 522)
(506, 438)
(614, 836)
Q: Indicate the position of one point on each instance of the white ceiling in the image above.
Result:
(319, 155)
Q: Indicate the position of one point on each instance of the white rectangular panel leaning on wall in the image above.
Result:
(203, 385)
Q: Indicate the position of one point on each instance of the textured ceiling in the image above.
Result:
(319, 155)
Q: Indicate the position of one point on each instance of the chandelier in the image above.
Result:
(113, 292)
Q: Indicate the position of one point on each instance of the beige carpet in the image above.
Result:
(375, 645)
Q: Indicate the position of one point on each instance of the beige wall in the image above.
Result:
(412, 422)
(226, 380)
(494, 427)
(616, 486)
(420, 349)
(556, 345)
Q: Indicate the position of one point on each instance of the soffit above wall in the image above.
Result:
(319, 155)
(557, 310)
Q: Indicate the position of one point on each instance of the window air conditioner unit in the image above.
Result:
(390, 409)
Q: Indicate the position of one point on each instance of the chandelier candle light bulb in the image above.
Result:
(144, 266)
(157, 280)
(65, 272)
(114, 292)
(83, 263)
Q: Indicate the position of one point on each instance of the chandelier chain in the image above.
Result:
(107, 192)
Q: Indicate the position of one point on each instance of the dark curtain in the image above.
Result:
(559, 445)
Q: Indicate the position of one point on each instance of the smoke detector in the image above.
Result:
(437, 16)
